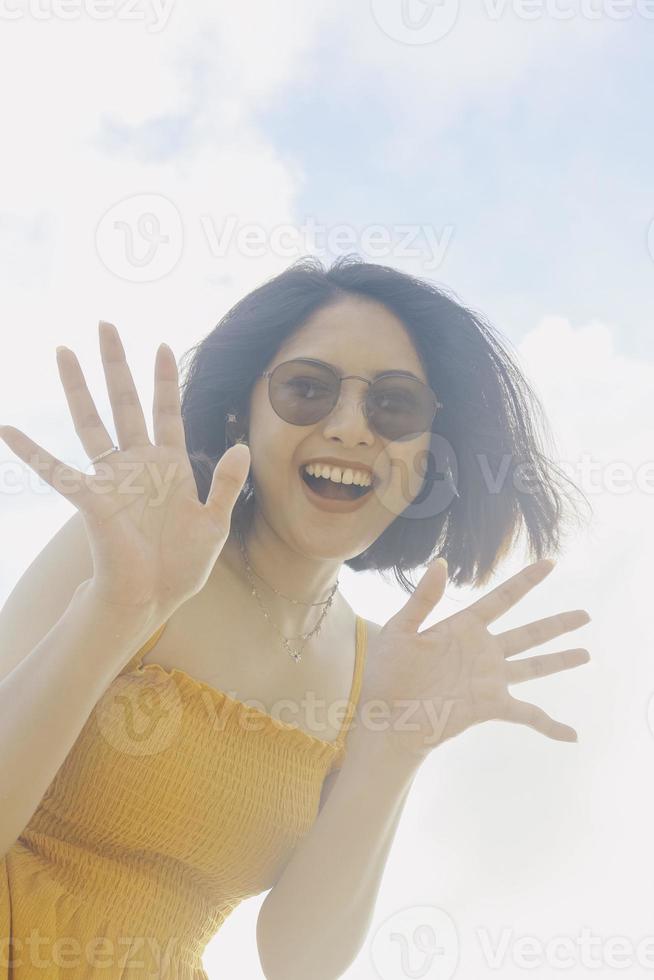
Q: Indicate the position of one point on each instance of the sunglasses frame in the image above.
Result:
(344, 377)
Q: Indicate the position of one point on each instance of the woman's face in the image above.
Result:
(356, 336)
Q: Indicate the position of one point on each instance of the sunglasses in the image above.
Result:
(396, 406)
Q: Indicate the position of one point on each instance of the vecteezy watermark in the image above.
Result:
(426, 21)
(424, 483)
(416, 942)
(154, 13)
(319, 718)
(616, 476)
(401, 241)
(564, 10)
(562, 952)
(36, 952)
(140, 713)
(118, 477)
(417, 485)
(140, 238)
(422, 941)
(415, 21)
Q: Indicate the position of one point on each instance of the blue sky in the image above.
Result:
(548, 185)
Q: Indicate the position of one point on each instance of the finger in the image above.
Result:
(88, 425)
(167, 411)
(502, 598)
(227, 482)
(533, 634)
(131, 429)
(66, 480)
(421, 602)
(550, 663)
(533, 716)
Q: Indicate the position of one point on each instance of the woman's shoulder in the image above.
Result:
(371, 627)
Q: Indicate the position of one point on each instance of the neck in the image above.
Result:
(275, 565)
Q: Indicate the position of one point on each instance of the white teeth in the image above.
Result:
(339, 475)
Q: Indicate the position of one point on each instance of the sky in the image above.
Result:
(160, 161)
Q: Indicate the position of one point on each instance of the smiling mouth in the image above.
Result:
(334, 491)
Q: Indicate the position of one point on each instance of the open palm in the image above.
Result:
(438, 682)
(152, 540)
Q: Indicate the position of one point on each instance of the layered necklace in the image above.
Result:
(293, 651)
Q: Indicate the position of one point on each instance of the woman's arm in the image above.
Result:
(47, 698)
(314, 921)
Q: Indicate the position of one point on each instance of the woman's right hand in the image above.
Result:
(153, 542)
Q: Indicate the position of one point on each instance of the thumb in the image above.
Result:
(229, 475)
(427, 593)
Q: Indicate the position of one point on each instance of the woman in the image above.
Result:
(142, 801)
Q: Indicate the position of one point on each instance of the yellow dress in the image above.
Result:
(153, 831)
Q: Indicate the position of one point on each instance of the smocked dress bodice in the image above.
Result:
(175, 803)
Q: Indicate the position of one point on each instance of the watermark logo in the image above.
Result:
(140, 238)
(415, 21)
(421, 242)
(565, 10)
(421, 485)
(587, 951)
(416, 942)
(140, 714)
(418, 484)
(37, 952)
(426, 21)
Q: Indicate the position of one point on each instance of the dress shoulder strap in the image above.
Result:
(361, 651)
(360, 656)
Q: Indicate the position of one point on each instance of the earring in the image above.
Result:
(230, 430)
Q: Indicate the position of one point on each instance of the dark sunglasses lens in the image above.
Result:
(398, 408)
(401, 408)
(302, 393)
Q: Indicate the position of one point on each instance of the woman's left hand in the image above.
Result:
(434, 684)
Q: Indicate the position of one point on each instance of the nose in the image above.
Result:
(347, 421)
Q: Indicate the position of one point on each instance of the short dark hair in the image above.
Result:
(490, 412)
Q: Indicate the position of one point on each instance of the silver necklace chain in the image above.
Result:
(294, 652)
